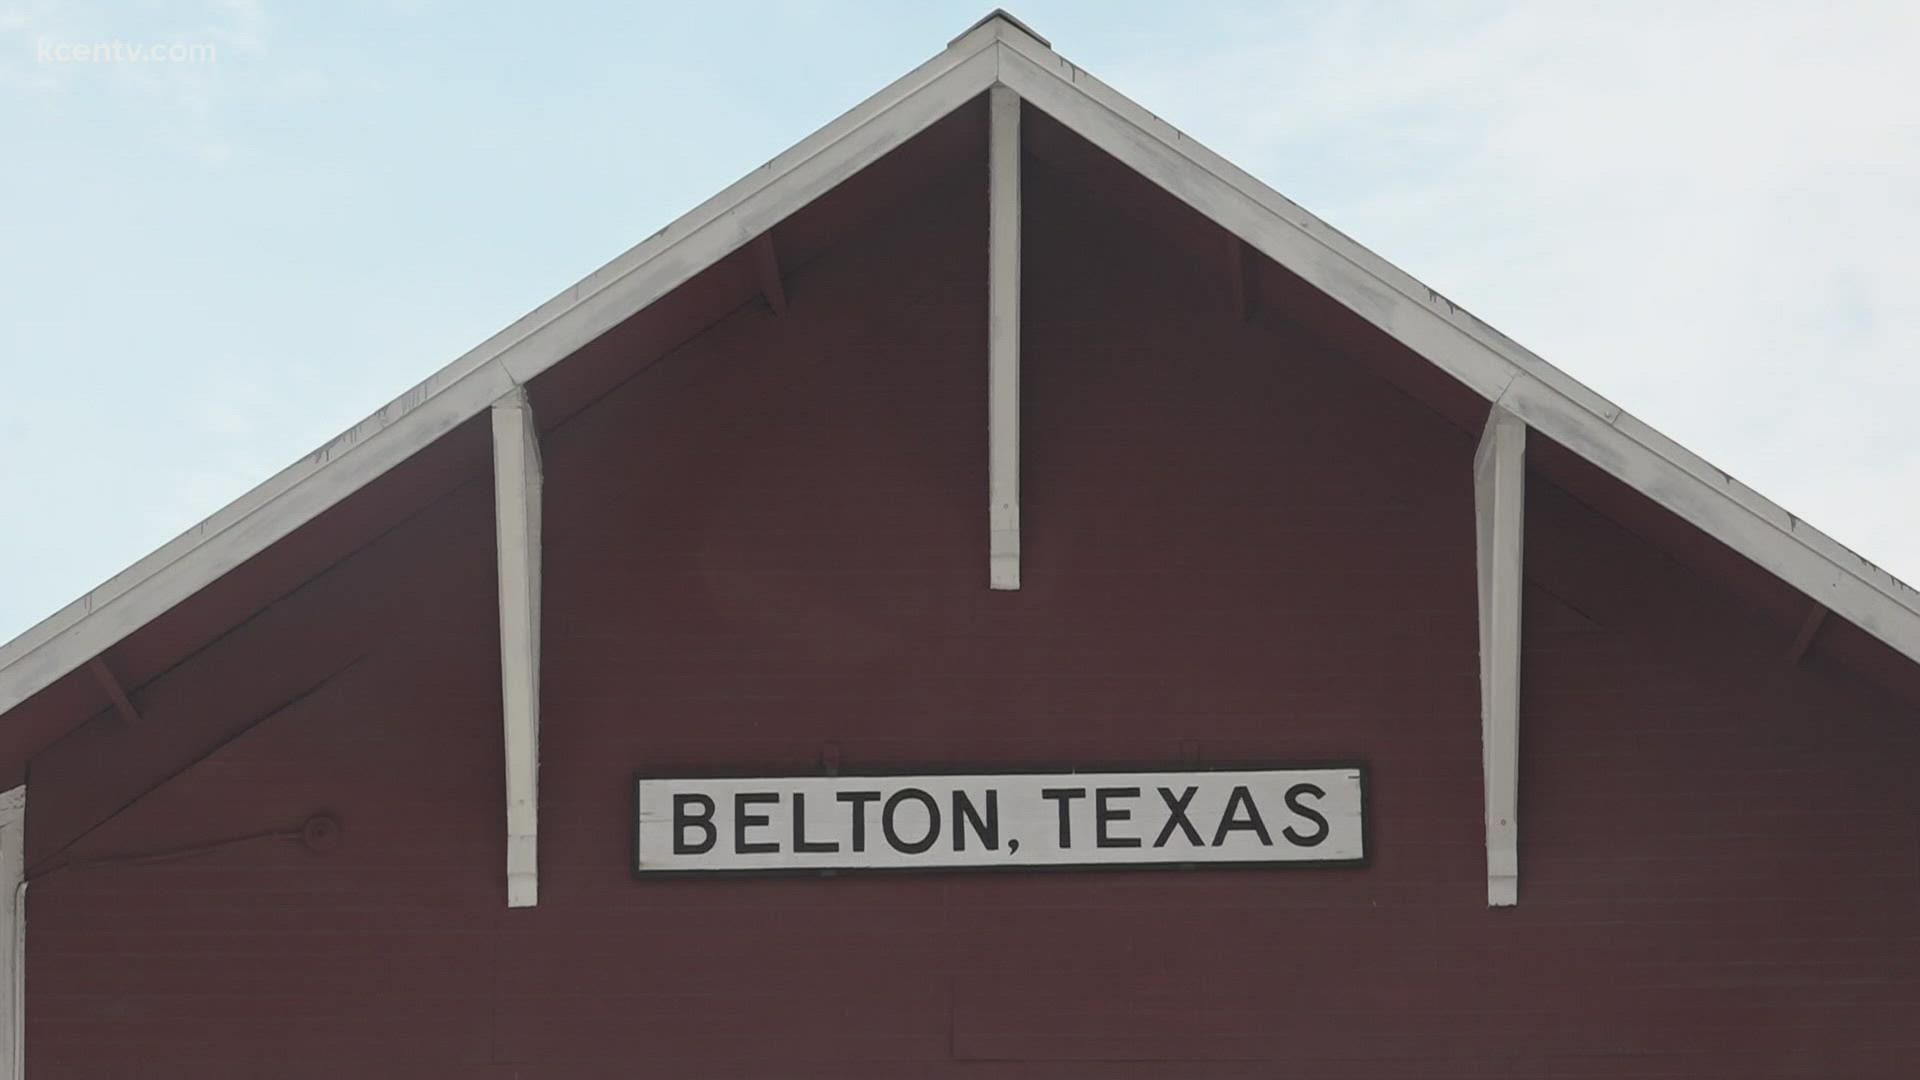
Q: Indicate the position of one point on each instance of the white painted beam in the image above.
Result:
(13, 940)
(1244, 272)
(116, 694)
(1003, 340)
(1810, 627)
(766, 270)
(1499, 503)
(516, 499)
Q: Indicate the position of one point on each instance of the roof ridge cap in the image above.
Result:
(1005, 16)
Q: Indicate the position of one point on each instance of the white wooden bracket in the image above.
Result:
(516, 501)
(766, 271)
(13, 938)
(1243, 270)
(117, 694)
(1003, 339)
(1809, 630)
(1499, 498)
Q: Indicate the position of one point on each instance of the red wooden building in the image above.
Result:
(996, 427)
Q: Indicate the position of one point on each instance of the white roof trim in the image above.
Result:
(470, 385)
(995, 51)
(1495, 366)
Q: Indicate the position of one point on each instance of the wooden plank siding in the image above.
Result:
(1237, 544)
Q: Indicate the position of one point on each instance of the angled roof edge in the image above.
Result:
(461, 390)
(998, 49)
(1487, 361)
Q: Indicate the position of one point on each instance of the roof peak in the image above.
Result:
(998, 51)
(1005, 16)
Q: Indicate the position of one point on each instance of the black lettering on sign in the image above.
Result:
(1064, 796)
(1308, 812)
(1177, 817)
(933, 821)
(742, 820)
(987, 829)
(859, 801)
(1230, 821)
(703, 821)
(800, 841)
(1104, 814)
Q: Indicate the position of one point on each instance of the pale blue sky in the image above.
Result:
(1705, 211)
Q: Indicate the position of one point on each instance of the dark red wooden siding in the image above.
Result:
(1238, 547)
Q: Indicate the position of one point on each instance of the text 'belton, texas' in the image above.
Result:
(1298, 815)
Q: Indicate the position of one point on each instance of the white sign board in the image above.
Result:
(1307, 816)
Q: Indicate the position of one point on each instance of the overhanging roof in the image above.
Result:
(996, 51)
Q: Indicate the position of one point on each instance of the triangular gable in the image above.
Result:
(998, 51)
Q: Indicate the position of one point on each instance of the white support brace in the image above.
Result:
(1003, 340)
(116, 694)
(516, 501)
(13, 938)
(1810, 627)
(1499, 502)
(766, 270)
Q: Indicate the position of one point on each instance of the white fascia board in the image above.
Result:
(469, 385)
(1485, 360)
